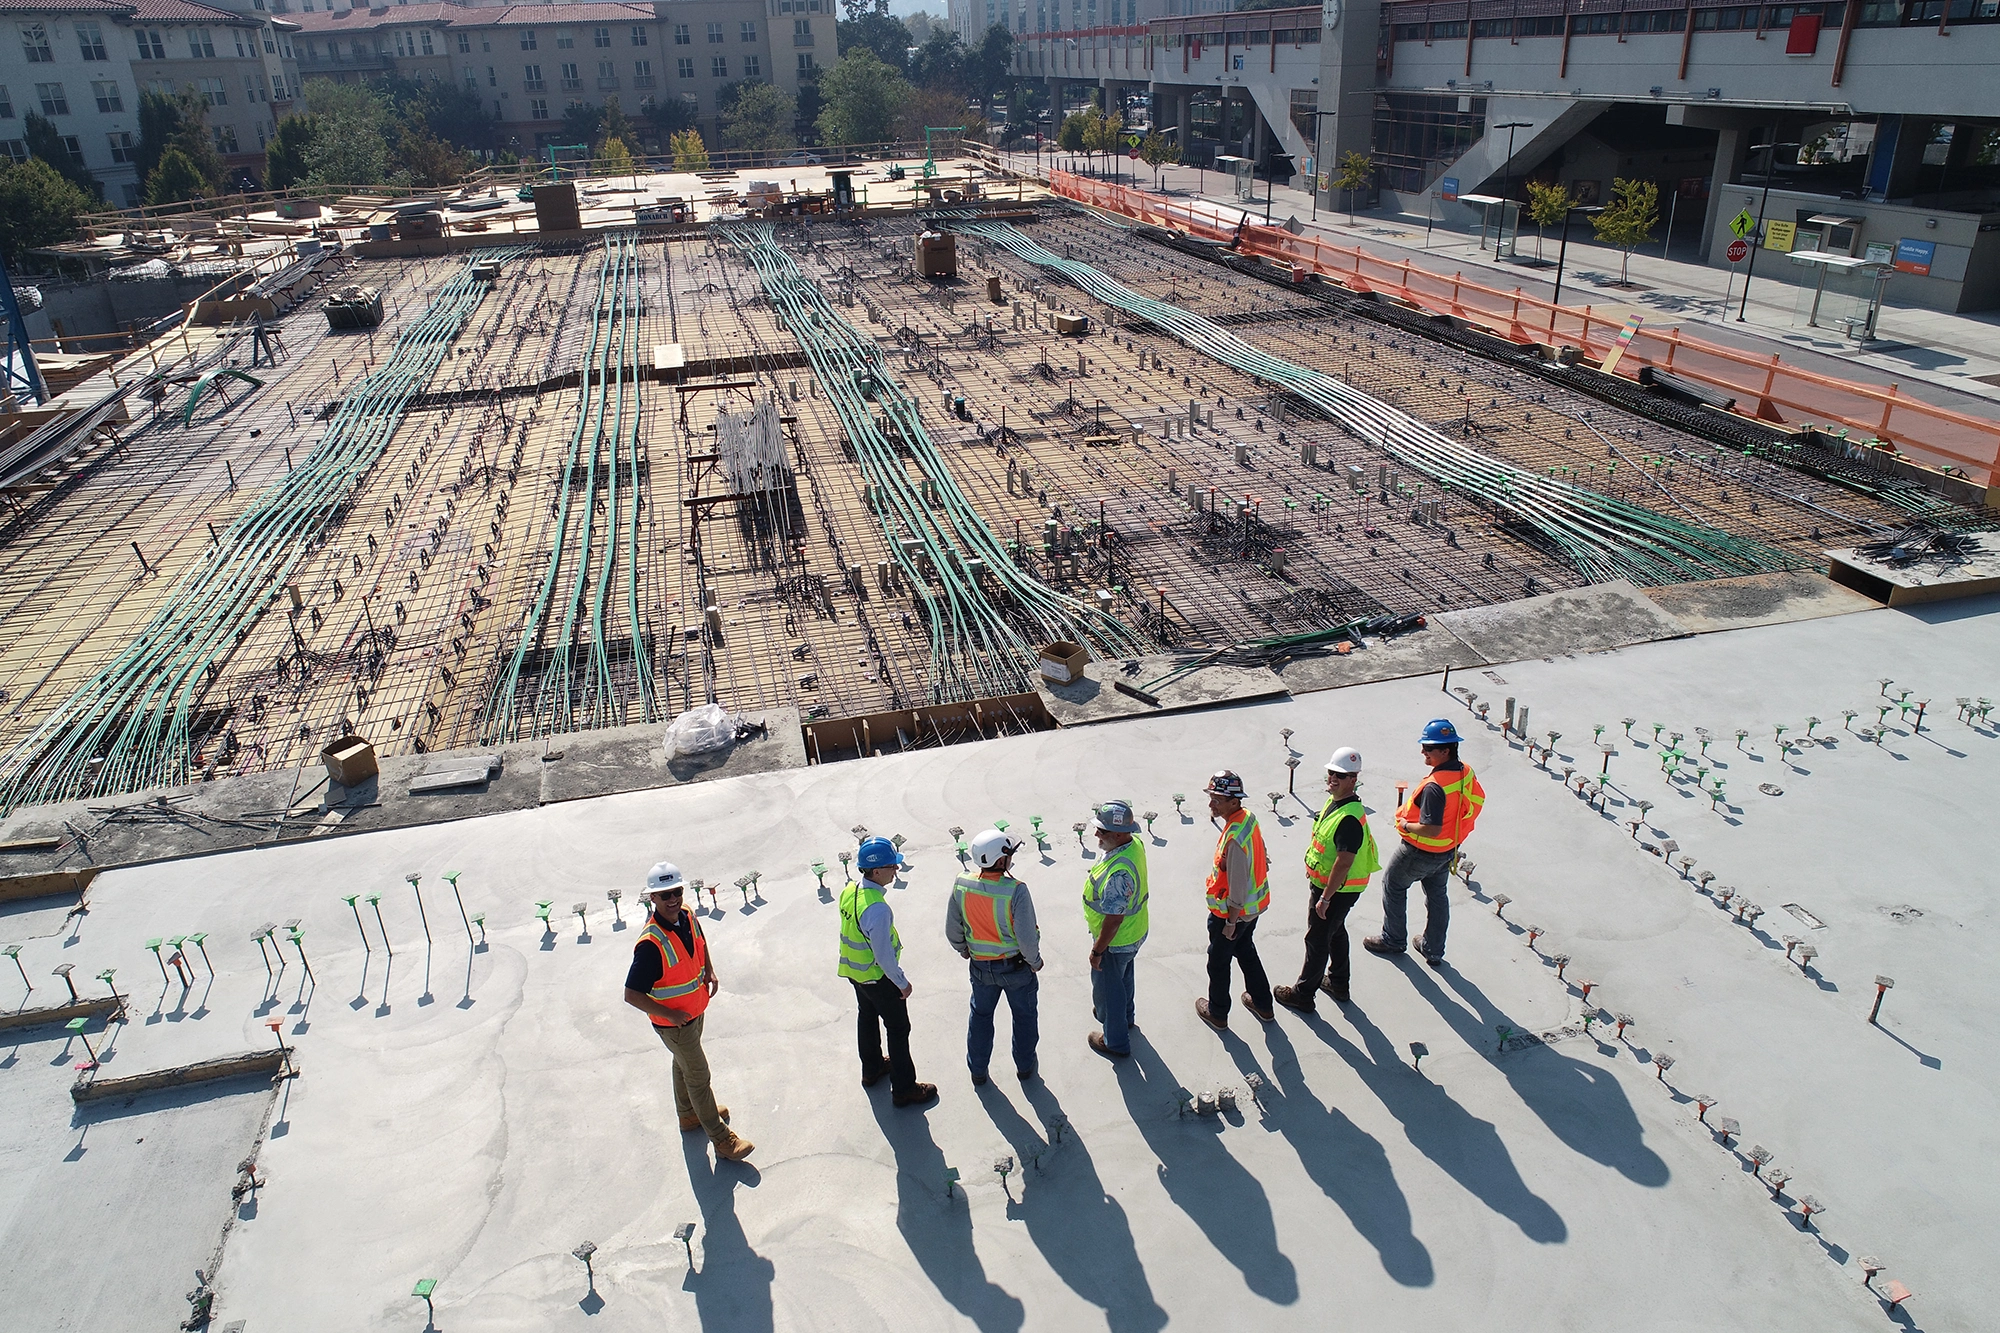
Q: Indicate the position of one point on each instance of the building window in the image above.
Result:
(753, 67)
(806, 66)
(749, 33)
(74, 147)
(241, 51)
(225, 138)
(682, 36)
(6, 103)
(565, 41)
(15, 149)
(424, 41)
(802, 33)
(638, 35)
(51, 97)
(538, 108)
(214, 92)
(714, 33)
(527, 39)
(570, 81)
(151, 44)
(684, 66)
(201, 46)
(600, 36)
(106, 93)
(123, 149)
(465, 43)
(131, 190)
(531, 78)
(718, 67)
(270, 47)
(605, 70)
(35, 44)
(253, 87)
(90, 40)
(642, 69)
(404, 46)
(472, 80)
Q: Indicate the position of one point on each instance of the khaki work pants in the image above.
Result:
(692, 1095)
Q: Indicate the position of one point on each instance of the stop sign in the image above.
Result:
(1739, 250)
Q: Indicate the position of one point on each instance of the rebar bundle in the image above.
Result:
(1603, 538)
(981, 644)
(128, 726)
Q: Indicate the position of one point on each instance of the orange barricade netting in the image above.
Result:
(1763, 386)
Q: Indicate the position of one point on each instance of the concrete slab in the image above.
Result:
(602, 763)
(1093, 699)
(471, 1115)
(1417, 653)
(1579, 620)
(1759, 599)
(1916, 582)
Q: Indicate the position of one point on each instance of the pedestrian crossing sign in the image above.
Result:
(1742, 224)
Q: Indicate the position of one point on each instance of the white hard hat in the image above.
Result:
(665, 875)
(1346, 759)
(991, 846)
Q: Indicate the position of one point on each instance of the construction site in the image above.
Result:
(957, 509)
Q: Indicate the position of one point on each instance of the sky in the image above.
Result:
(902, 9)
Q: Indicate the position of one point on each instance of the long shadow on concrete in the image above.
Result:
(937, 1228)
(1344, 1160)
(1468, 1149)
(1080, 1230)
(732, 1288)
(1582, 1104)
(1204, 1180)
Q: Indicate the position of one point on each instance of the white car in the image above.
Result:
(799, 159)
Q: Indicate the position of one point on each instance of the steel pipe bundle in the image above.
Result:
(980, 646)
(604, 444)
(1602, 537)
(127, 727)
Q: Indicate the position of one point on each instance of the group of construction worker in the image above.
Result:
(990, 921)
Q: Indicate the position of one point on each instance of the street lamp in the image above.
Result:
(1562, 251)
(1770, 151)
(1507, 180)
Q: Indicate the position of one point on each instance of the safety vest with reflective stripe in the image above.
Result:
(1130, 858)
(1322, 854)
(1243, 831)
(857, 952)
(1463, 797)
(680, 986)
(987, 908)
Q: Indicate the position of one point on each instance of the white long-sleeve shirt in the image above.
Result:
(876, 923)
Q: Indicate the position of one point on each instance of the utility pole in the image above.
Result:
(1770, 151)
(1507, 181)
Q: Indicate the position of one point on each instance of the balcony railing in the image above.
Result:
(572, 85)
(607, 83)
(641, 81)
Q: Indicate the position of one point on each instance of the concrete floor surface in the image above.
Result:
(472, 1115)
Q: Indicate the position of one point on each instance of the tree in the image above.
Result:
(937, 108)
(760, 119)
(990, 66)
(1629, 220)
(177, 120)
(617, 125)
(175, 180)
(805, 120)
(690, 153)
(582, 124)
(426, 160)
(1357, 169)
(351, 146)
(451, 111)
(1158, 151)
(940, 62)
(45, 142)
(1071, 133)
(669, 117)
(1547, 206)
(38, 206)
(614, 158)
(862, 96)
(877, 32)
(286, 156)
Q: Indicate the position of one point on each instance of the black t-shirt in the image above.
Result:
(1430, 801)
(647, 965)
(1347, 836)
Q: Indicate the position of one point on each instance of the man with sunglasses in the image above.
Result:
(1338, 864)
(670, 982)
(1433, 823)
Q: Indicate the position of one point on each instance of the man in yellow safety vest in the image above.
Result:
(1338, 864)
(991, 922)
(1114, 908)
(871, 952)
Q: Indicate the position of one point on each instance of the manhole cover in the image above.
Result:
(1770, 789)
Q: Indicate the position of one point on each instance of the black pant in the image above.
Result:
(1243, 949)
(1326, 946)
(880, 1005)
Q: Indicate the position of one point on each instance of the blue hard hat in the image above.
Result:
(876, 853)
(1438, 731)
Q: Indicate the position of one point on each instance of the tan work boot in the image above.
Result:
(692, 1122)
(734, 1148)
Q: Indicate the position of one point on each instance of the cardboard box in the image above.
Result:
(937, 254)
(1063, 661)
(349, 761)
(1072, 324)
(556, 207)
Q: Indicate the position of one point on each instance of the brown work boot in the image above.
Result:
(1096, 1040)
(921, 1095)
(1294, 997)
(1266, 1015)
(691, 1122)
(734, 1148)
(1201, 1012)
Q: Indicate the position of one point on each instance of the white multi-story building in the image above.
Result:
(83, 64)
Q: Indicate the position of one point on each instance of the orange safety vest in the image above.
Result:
(681, 986)
(1463, 797)
(1243, 831)
(987, 906)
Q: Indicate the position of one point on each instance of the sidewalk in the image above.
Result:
(1932, 356)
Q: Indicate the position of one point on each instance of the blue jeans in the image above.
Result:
(1021, 986)
(1432, 870)
(1113, 992)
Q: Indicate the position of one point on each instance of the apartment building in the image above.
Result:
(83, 64)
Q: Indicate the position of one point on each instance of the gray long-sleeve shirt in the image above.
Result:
(876, 923)
(1026, 933)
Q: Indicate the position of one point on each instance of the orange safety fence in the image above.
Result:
(1764, 386)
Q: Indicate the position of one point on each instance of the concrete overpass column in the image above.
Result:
(1732, 152)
